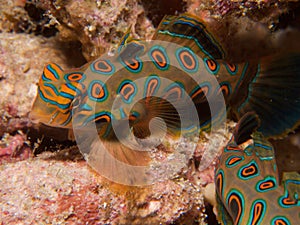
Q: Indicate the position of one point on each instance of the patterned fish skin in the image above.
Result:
(247, 183)
(56, 96)
(62, 91)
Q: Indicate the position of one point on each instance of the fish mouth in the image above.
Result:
(36, 118)
(52, 119)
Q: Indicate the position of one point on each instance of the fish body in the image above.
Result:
(107, 81)
(247, 182)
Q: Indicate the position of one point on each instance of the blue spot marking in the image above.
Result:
(176, 84)
(135, 114)
(72, 87)
(67, 95)
(61, 106)
(230, 71)
(66, 77)
(227, 84)
(235, 192)
(249, 150)
(98, 114)
(124, 82)
(122, 113)
(86, 107)
(245, 177)
(241, 158)
(140, 65)
(263, 146)
(282, 218)
(192, 54)
(215, 71)
(45, 99)
(286, 195)
(204, 84)
(223, 181)
(163, 51)
(253, 212)
(198, 26)
(266, 179)
(103, 88)
(146, 88)
(52, 87)
(112, 71)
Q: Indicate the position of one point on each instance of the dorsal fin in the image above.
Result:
(190, 31)
(245, 127)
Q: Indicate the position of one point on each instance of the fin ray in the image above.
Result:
(274, 95)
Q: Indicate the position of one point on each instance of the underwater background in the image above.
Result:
(43, 177)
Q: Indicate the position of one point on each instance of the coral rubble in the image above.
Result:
(56, 191)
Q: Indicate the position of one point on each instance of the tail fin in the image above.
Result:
(274, 95)
(189, 30)
(56, 92)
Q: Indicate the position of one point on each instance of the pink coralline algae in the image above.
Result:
(14, 148)
(97, 24)
(65, 192)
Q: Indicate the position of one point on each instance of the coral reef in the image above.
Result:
(59, 187)
(97, 24)
(269, 27)
(55, 191)
(22, 60)
(155, 12)
(267, 11)
(14, 148)
(20, 16)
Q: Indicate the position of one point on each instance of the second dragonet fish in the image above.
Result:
(248, 187)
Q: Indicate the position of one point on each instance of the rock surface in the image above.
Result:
(59, 187)
(48, 190)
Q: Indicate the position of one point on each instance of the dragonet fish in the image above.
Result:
(268, 86)
(247, 181)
